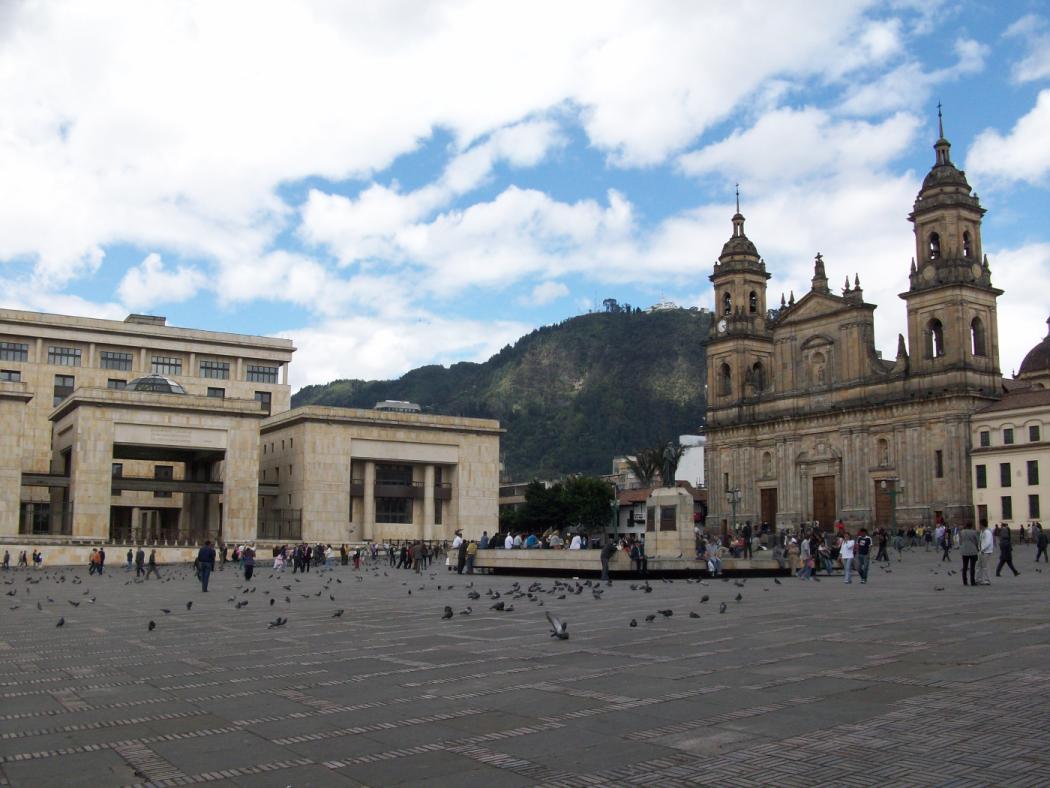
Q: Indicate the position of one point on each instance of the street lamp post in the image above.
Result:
(893, 492)
(733, 498)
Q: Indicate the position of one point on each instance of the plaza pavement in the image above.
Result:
(802, 683)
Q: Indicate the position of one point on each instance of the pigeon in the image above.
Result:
(272, 600)
(508, 609)
(189, 604)
(499, 606)
(938, 588)
(466, 612)
(777, 581)
(666, 613)
(693, 614)
(74, 604)
(650, 618)
(448, 613)
(722, 607)
(739, 597)
(242, 604)
(278, 622)
(633, 623)
(152, 625)
(559, 628)
(61, 622)
(704, 598)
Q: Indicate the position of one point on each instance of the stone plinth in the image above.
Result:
(669, 534)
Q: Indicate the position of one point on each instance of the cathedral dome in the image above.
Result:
(157, 384)
(945, 175)
(1038, 358)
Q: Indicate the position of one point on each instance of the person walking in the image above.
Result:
(1006, 552)
(248, 562)
(101, 559)
(986, 546)
(472, 553)
(863, 551)
(747, 539)
(883, 540)
(140, 560)
(608, 551)
(7, 560)
(461, 555)
(1040, 543)
(846, 554)
(205, 564)
(969, 549)
(946, 545)
(129, 558)
(806, 556)
(151, 565)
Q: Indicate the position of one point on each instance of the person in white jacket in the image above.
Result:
(984, 557)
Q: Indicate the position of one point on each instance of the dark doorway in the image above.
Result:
(824, 508)
(769, 505)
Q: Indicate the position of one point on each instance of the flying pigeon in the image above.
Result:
(559, 628)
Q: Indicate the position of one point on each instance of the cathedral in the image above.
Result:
(806, 422)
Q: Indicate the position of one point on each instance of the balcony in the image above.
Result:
(443, 491)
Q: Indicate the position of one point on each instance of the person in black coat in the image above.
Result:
(1006, 552)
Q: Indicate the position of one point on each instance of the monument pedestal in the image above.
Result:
(669, 524)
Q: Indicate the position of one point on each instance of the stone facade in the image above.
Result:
(806, 421)
(344, 469)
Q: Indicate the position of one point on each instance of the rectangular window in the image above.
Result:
(393, 474)
(218, 394)
(166, 365)
(1033, 507)
(986, 439)
(14, 351)
(1004, 474)
(261, 374)
(1033, 471)
(118, 472)
(938, 464)
(10, 375)
(1008, 436)
(63, 388)
(264, 397)
(116, 383)
(1034, 435)
(393, 510)
(1008, 507)
(981, 474)
(437, 512)
(110, 359)
(63, 356)
(215, 369)
(982, 513)
(291, 442)
(163, 473)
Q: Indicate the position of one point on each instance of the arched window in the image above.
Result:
(977, 339)
(934, 339)
(758, 377)
(935, 246)
(727, 303)
(767, 464)
(752, 302)
(967, 246)
(726, 378)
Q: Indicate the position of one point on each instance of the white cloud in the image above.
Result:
(152, 283)
(1021, 155)
(788, 144)
(545, 292)
(386, 346)
(909, 85)
(1035, 33)
(1024, 323)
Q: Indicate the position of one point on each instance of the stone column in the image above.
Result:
(240, 489)
(91, 480)
(13, 399)
(368, 517)
(428, 503)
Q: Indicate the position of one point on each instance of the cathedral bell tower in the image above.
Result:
(740, 351)
(952, 324)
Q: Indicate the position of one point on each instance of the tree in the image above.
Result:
(587, 503)
(646, 465)
(611, 305)
(543, 508)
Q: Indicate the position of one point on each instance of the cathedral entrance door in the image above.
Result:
(884, 492)
(824, 508)
(769, 506)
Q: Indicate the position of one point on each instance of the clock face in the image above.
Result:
(722, 326)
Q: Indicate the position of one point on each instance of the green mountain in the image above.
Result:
(571, 396)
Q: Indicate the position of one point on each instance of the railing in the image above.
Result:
(392, 489)
(281, 525)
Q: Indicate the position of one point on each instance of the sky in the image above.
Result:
(393, 184)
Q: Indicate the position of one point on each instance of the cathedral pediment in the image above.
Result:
(811, 306)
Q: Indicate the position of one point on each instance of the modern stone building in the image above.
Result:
(137, 431)
(1011, 450)
(807, 422)
(370, 475)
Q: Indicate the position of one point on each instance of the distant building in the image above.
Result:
(1011, 447)
(398, 406)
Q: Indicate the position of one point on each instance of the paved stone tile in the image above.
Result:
(902, 675)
